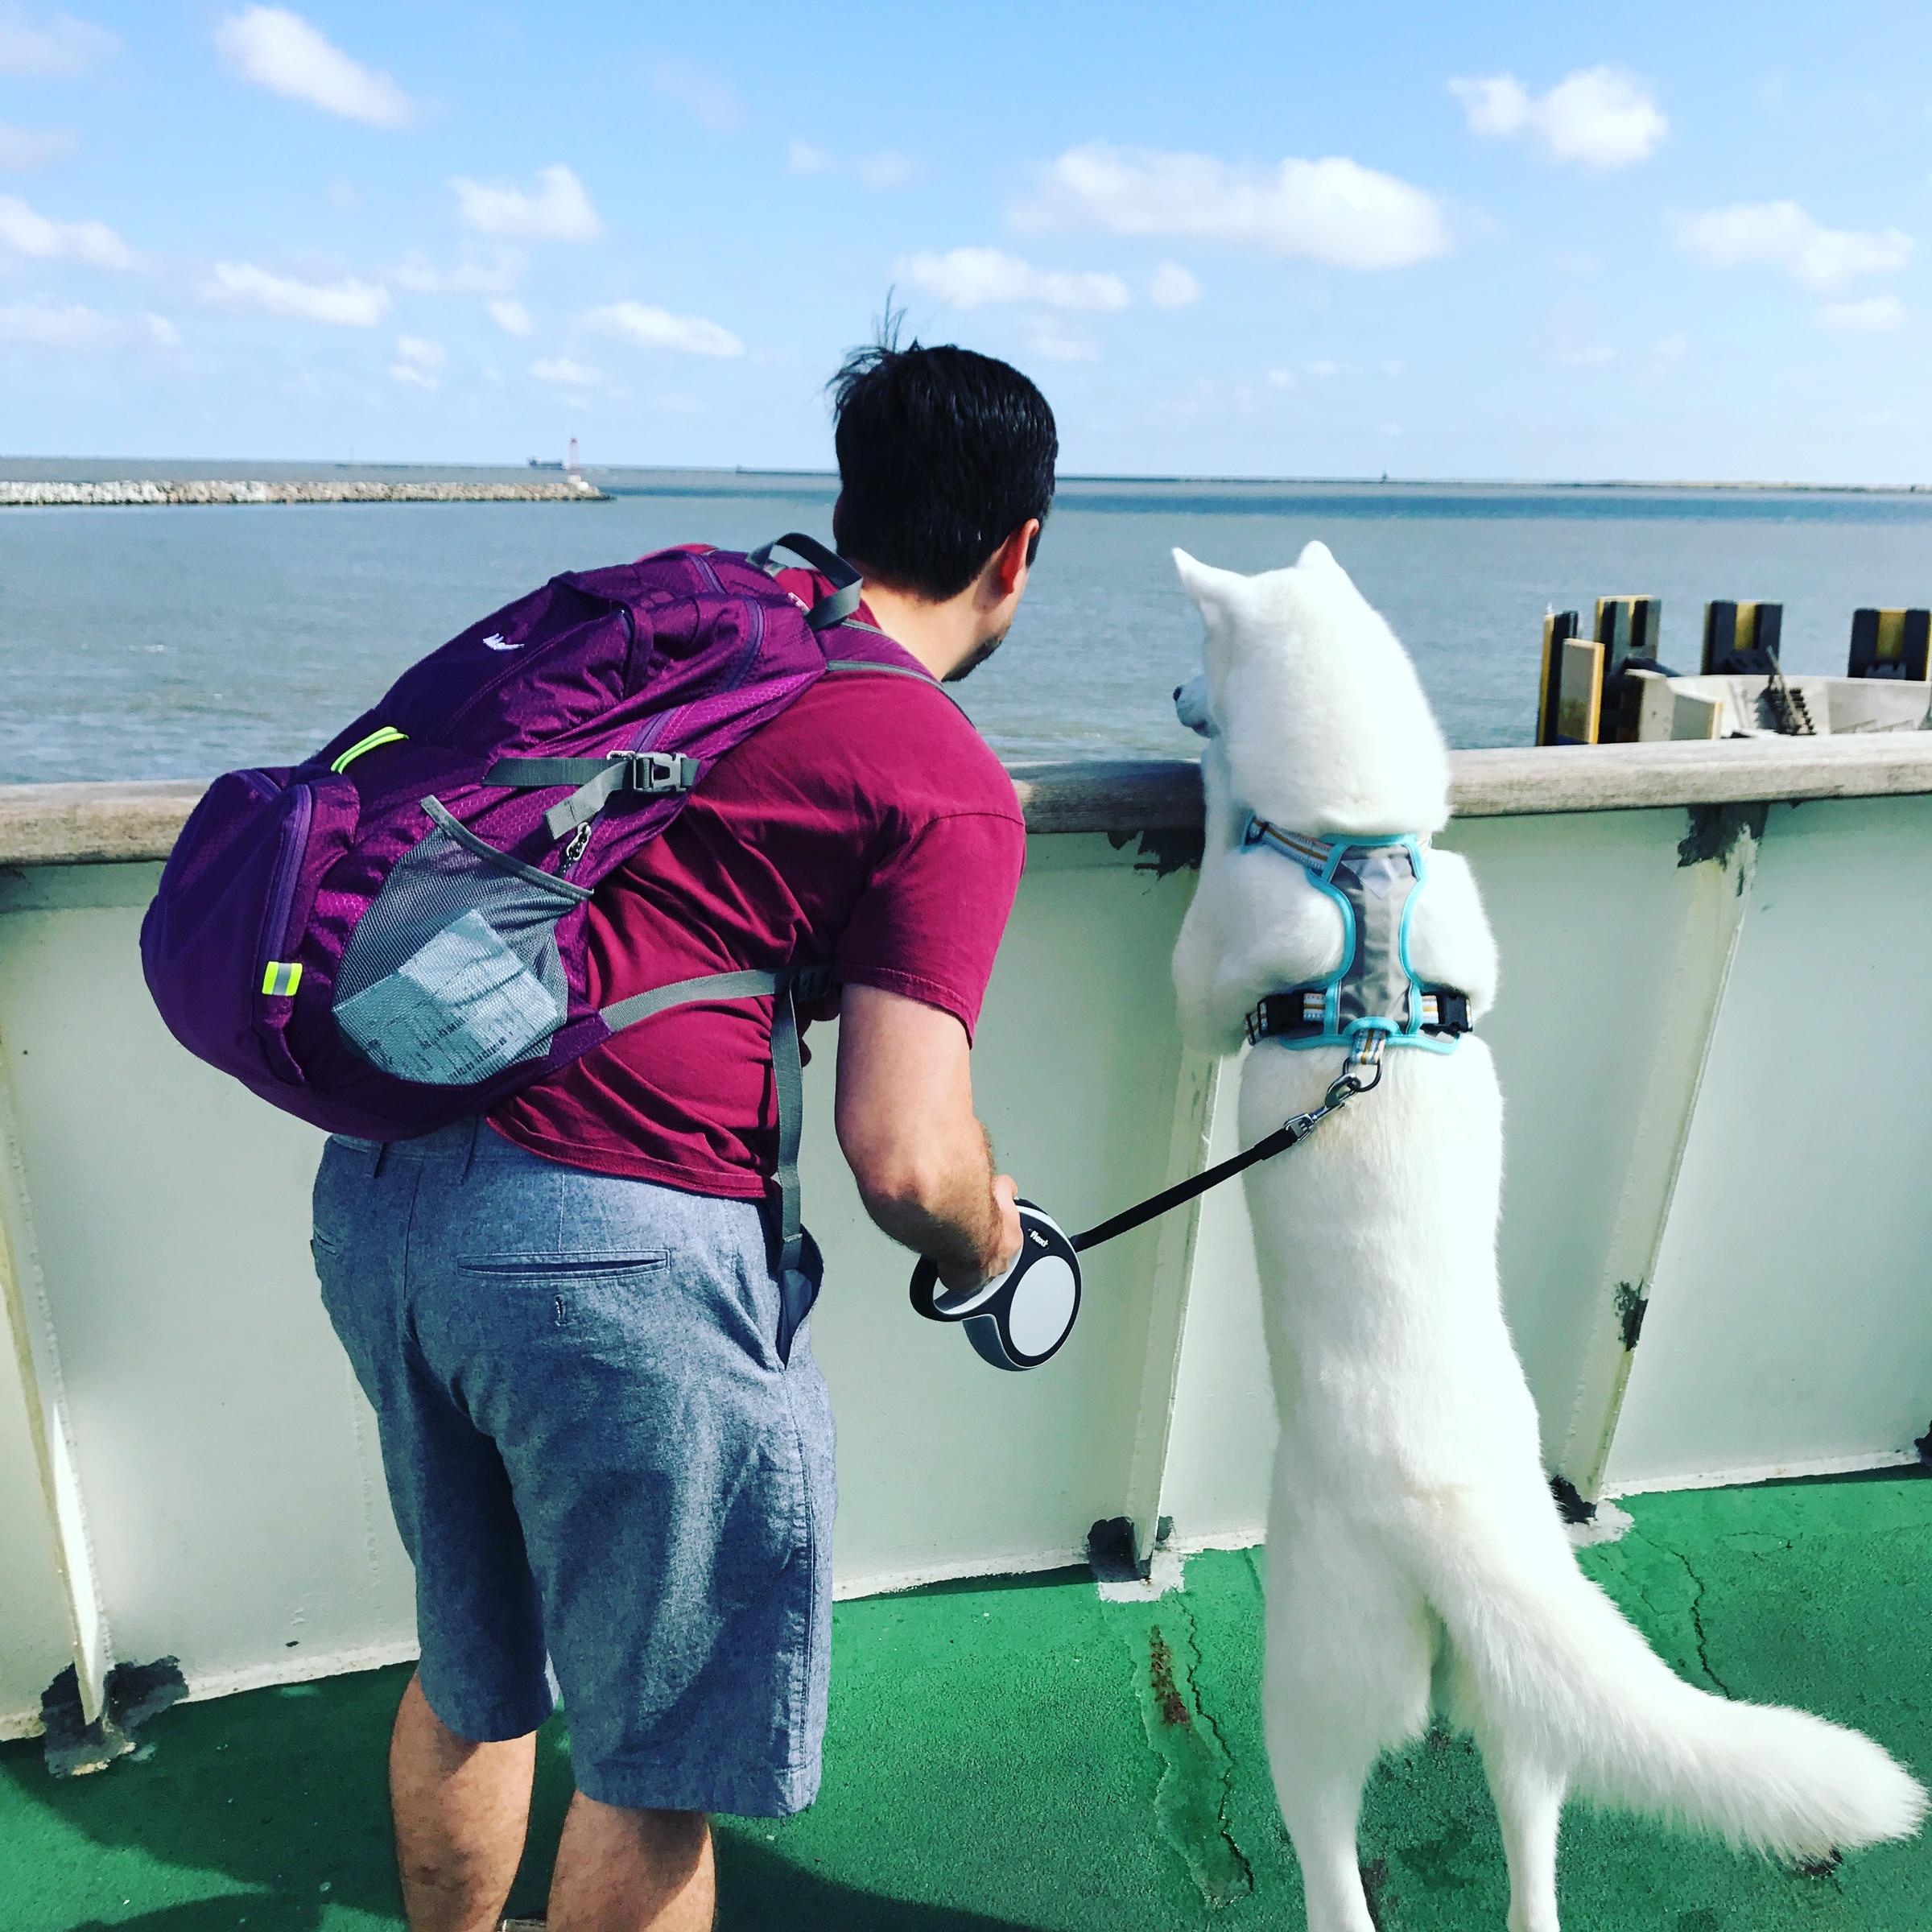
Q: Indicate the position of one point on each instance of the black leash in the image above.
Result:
(1286, 1135)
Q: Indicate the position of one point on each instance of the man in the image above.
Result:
(599, 1446)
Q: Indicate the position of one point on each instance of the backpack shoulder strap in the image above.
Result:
(829, 610)
(783, 989)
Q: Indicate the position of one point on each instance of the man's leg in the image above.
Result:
(461, 1811)
(624, 1871)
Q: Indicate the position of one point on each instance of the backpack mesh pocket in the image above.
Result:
(452, 975)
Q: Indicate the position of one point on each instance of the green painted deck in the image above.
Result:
(1021, 1755)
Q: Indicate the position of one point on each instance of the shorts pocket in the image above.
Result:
(590, 1263)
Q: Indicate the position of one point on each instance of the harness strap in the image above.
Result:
(1299, 1015)
(783, 988)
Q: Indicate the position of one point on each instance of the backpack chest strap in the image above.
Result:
(598, 780)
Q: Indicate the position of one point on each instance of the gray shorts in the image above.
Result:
(596, 1455)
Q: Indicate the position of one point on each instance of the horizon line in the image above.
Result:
(1383, 481)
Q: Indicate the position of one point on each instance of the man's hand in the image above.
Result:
(906, 1126)
(1005, 1198)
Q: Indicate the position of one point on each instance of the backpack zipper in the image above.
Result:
(282, 884)
(579, 839)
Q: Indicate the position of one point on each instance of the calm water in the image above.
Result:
(175, 643)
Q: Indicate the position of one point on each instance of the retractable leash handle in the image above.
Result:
(1019, 1318)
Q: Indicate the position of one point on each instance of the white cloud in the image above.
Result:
(24, 148)
(1671, 348)
(1281, 379)
(23, 232)
(567, 375)
(417, 360)
(1333, 211)
(64, 47)
(1051, 340)
(701, 91)
(977, 278)
(1322, 368)
(348, 303)
(342, 195)
(71, 325)
(1587, 355)
(657, 329)
(887, 168)
(560, 211)
(1877, 316)
(469, 276)
(47, 325)
(278, 49)
(513, 318)
(1780, 235)
(1173, 287)
(1600, 117)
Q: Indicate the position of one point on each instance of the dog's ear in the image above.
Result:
(1316, 556)
(1211, 589)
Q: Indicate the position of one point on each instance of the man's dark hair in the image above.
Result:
(943, 455)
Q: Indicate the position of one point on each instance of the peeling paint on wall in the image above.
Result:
(1715, 829)
(1632, 1305)
(1165, 849)
(136, 1693)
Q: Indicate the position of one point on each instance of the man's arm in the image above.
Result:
(905, 1123)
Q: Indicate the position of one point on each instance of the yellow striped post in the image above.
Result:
(1891, 644)
(1741, 637)
(1626, 627)
(1559, 626)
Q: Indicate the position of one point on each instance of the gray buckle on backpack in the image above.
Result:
(656, 773)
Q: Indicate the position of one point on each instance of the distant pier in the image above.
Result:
(30, 496)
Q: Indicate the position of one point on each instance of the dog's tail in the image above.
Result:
(1551, 1664)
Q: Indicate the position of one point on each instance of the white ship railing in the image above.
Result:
(1716, 1241)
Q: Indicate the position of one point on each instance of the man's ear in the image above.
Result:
(1013, 560)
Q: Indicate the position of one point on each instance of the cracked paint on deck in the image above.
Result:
(1189, 1802)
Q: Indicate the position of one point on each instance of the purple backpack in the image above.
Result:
(388, 937)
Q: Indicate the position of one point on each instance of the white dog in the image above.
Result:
(1415, 1558)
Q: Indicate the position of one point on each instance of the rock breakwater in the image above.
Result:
(28, 496)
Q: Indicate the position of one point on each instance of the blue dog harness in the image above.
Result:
(1375, 998)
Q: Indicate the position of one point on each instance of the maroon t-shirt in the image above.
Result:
(868, 826)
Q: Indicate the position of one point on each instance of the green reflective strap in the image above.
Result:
(281, 976)
(386, 734)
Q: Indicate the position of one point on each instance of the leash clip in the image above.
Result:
(1341, 1090)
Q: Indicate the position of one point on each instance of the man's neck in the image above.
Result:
(941, 636)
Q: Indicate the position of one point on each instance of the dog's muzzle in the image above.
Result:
(1191, 705)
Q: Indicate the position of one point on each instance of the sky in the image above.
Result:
(1502, 239)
